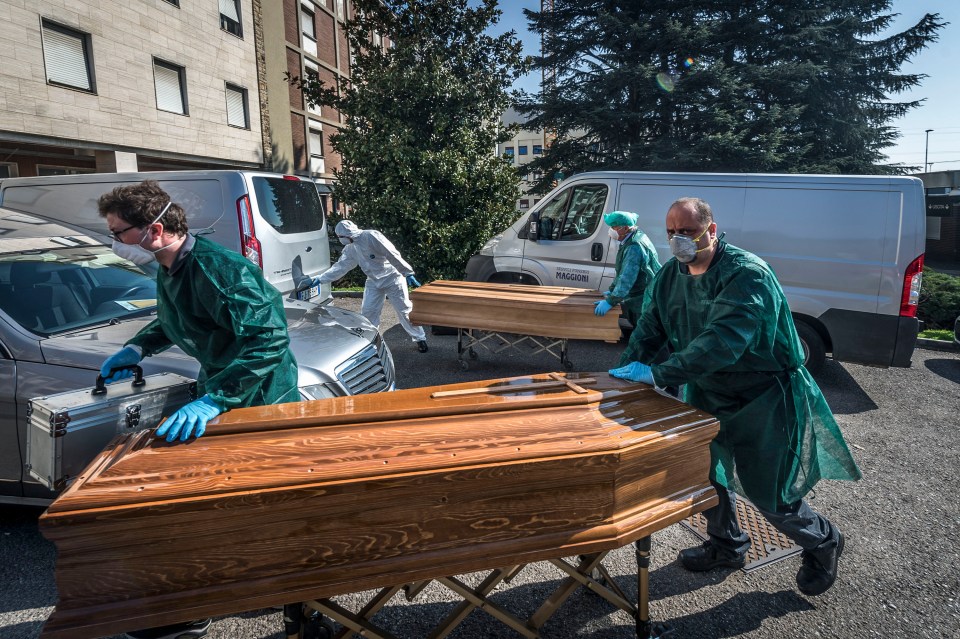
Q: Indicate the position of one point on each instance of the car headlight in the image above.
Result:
(316, 391)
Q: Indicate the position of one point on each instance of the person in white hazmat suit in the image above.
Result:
(388, 275)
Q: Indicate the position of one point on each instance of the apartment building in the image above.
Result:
(521, 149)
(304, 39)
(103, 85)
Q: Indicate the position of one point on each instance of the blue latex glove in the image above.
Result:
(126, 356)
(190, 420)
(304, 283)
(412, 281)
(634, 372)
(601, 308)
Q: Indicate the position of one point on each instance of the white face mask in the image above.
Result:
(136, 253)
(613, 234)
(344, 240)
(133, 252)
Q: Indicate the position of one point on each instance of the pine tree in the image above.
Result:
(766, 86)
(419, 145)
(846, 111)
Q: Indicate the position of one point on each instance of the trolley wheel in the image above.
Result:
(472, 354)
(567, 364)
(318, 627)
(464, 365)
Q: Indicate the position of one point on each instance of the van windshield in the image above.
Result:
(289, 206)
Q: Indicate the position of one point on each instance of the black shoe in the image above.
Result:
(819, 569)
(186, 630)
(422, 346)
(709, 556)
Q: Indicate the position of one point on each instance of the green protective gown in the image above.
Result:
(735, 347)
(217, 307)
(636, 266)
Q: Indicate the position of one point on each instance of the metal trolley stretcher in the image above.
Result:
(311, 619)
(468, 339)
(509, 317)
(303, 503)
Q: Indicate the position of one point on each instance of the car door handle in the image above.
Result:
(596, 252)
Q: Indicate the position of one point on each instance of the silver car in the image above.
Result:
(67, 302)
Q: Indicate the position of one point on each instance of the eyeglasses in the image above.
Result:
(117, 234)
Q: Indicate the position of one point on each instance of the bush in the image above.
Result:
(939, 299)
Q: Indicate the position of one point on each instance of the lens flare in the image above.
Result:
(665, 81)
(688, 62)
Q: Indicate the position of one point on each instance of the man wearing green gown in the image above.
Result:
(211, 302)
(636, 266)
(734, 345)
(217, 307)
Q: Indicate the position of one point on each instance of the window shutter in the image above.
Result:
(65, 59)
(169, 91)
(229, 9)
(236, 114)
(316, 141)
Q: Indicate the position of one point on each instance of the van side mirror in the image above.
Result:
(533, 233)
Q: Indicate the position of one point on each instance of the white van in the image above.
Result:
(270, 218)
(848, 250)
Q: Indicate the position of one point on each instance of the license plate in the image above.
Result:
(306, 294)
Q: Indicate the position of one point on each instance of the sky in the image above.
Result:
(941, 89)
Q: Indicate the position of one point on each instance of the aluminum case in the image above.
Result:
(67, 430)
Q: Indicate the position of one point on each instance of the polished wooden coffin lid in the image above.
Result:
(547, 311)
(285, 503)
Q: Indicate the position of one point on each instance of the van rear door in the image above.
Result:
(288, 221)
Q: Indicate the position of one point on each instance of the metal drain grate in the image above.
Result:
(769, 545)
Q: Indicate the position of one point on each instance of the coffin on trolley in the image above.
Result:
(506, 317)
(549, 311)
(300, 501)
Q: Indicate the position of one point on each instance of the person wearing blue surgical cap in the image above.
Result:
(636, 266)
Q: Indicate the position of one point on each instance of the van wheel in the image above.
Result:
(814, 350)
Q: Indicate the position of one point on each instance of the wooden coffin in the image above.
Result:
(289, 503)
(547, 311)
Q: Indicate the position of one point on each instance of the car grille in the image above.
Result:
(369, 371)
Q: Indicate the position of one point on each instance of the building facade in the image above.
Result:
(305, 39)
(102, 85)
(521, 149)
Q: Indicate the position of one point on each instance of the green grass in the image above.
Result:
(937, 333)
(353, 289)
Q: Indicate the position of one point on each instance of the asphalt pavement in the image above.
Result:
(899, 573)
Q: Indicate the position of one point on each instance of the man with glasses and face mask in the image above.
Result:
(212, 303)
(735, 347)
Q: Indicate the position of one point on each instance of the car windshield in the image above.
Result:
(52, 285)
